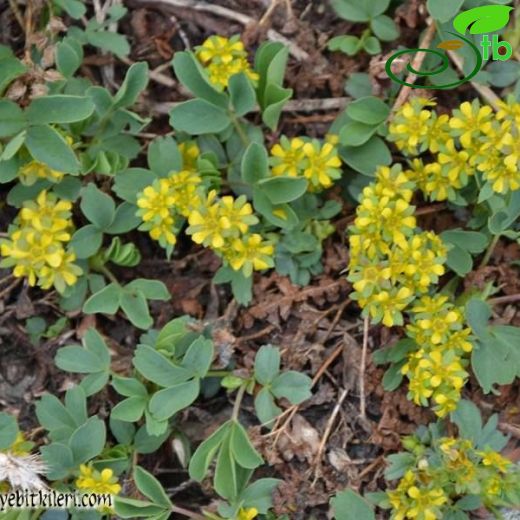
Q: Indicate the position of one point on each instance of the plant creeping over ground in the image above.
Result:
(90, 195)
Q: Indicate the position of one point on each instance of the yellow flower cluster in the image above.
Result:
(34, 171)
(453, 468)
(37, 243)
(390, 261)
(223, 58)
(221, 223)
(308, 158)
(472, 142)
(413, 499)
(437, 369)
(101, 482)
(162, 205)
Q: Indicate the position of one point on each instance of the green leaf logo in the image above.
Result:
(485, 19)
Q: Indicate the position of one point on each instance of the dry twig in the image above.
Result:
(362, 369)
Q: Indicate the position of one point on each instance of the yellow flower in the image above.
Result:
(190, 152)
(157, 210)
(322, 164)
(250, 253)
(223, 58)
(239, 213)
(208, 225)
(218, 48)
(36, 244)
(386, 306)
(471, 120)
(410, 127)
(247, 514)
(493, 459)
(393, 183)
(101, 482)
(287, 157)
(456, 164)
(48, 214)
(503, 179)
(34, 171)
(184, 189)
(438, 132)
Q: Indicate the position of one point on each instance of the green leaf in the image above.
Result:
(130, 182)
(267, 209)
(477, 314)
(145, 443)
(88, 440)
(204, 454)
(267, 364)
(270, 63)
(351, 10)
(468, 420)
(86, 241)
(367, 157)
(444, 11)
(265, 407)
(97, 206)
(242, 94)
(191, 74)
(198, 117)
(169, 401)
(52, 415)
(348, 505)
(78, 359)
(128, 386)
(393, 377)
(171, 333)
(110, 42)
(384, 28)
(368, 110)
(293, 386)
(275, 98)
(242, 449)
(150, 487)
(471, 241)
(125, 219)
(8, 430)
(48, 146)
(199, 357)
(134, 305)
(59, 109)
(348, 44)
(164, 156)
(151, 289)
(355, 133)
(74, 8)
(259, 494)
(254, 166)
(131, 508)
(459, 261)
(12, 147)
(9, 170)
(480, 20)
(157, 368)
(94, 342)
(225, 481)
(372, 45)
(135, 82)
(105, 301)
(280, 190)
(129, 410)
(58, 459)
(12, 118)
(11, 68)
(68, 57)
(491, 364)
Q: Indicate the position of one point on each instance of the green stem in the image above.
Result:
(106, 271)
(489, 251)
(240, 131)
(238, 402)
(218, 373)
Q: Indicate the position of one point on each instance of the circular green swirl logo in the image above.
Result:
(441, 68)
